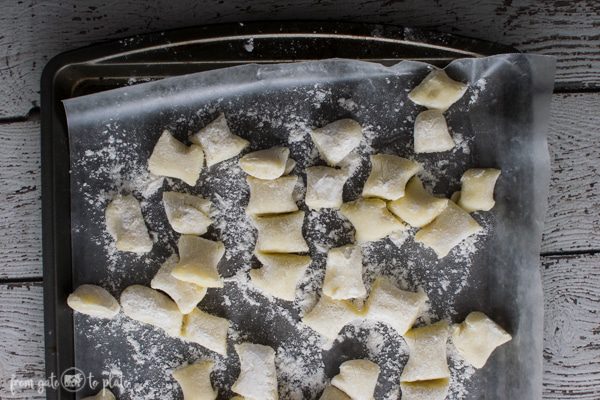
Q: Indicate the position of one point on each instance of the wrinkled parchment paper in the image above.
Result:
(500, 122)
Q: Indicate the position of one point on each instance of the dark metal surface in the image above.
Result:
(115, 64)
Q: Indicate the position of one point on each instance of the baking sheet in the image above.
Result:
(500, 122)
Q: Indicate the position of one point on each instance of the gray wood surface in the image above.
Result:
(32, 32)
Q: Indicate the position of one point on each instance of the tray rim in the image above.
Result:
(56, 225)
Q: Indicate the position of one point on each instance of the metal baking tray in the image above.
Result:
(159, 55)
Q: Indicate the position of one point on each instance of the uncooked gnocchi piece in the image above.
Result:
(437, 91)
(186, 295)
(417, 207)
(343, 273)
(333, 393)
(371, 219)
(207, 330)
(194, 380)
(431, 133)
(477, 191)
(396, 308)
(266, 164)
(94, 301)
(436, 389)
(357, 378)
(125, 223)
(329, 316)
(289, 166)
(151, 307)
(451, 227)
(280, 233)
(187, 214)
(337, 139)
(217, 141)
(174, 159)
(258, 377)
(389, 175)
(198, 261)
(279, 274)
(427, 353)
(272, 196)
(324, 187)
(477, 337)
(104, 394)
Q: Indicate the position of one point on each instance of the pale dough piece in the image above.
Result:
(417, 207)
(333, 393)
(324, 187)
(343, 273)
(94, 301)
(198, 262)
(150, 306)
(477, 337)
(477, 191)
(104, 394)
(266, 164)
(337, 139)
(207, 330)
(280, 233)
(272, 196)
(217, 141)
(187, 214)
(186, 295)
(427, 353)
(357, 378)
(371, 219)
(194, 380)
(437, 91)
(125, 223)
(431, 133)
(455, 198)
(450, 228)
(329, 316)
(393, 306)
(289, 166)
(389, 175)
(258, 377)
(425, 390)
(174, 159)
(279, 274)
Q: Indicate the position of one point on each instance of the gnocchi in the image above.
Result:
(187, 214)
(436, 389)
(329, 316)
(437, 91)
(207, 330)
(324, 187)
(94, 301)
(431, 133)
(371, 219)
(279, 274)
(151, 307)
(266, 164)
(217, 141)
(174, 159)
(198, 262)
(125, 223)
(337, 139)
(194, 380)
(333, 393)
(343, 274)
(417, 207)
(258, 377)
(447, 230)
(389, 175)
(357, 378)
(477, 190)
(427, 353)
(104, 394)
(280, 233)
(271, 196)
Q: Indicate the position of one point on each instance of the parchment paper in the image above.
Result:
(500, 122)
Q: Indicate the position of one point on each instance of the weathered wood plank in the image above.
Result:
(572, 330)
(33, 31)
(573, 219)
(20, 200)
(572, 327)
(22, 344)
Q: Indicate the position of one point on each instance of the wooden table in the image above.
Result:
(31, 32)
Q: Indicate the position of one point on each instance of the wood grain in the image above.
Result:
(22, 344)
(33, 31)
(572, 327)
(20, 201)
(571, 331)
